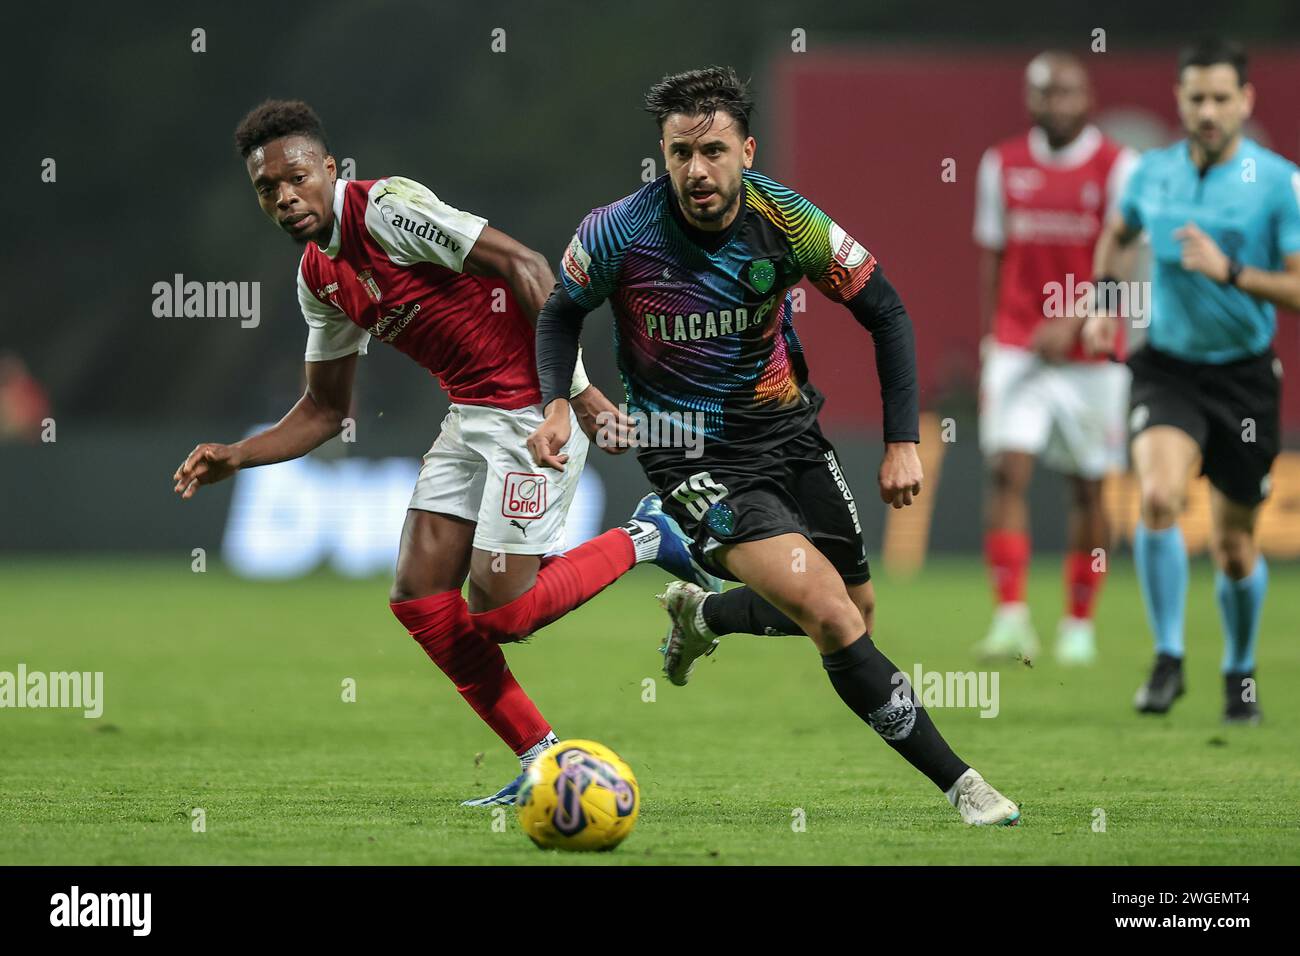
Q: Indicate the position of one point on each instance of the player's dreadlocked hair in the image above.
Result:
(705, 92)
(1211, 51)
(275, 119)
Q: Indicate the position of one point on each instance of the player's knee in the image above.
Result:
(403, 590)
(867, 607)
(496, 579)
(420, 581)
(830, 620)
(1235, 554)
(491, 595)
(1086, 495)
(1161, 506)
(504, 623)
(1004, 479)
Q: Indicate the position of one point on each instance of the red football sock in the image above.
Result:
(564, 582)
(440, 624)
(1082, 584)
(1007, 555)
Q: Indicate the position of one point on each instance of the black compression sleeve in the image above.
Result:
(880, 311)
(559, 327)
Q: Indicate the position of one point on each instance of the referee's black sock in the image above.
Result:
(742, 611)
(880, 694)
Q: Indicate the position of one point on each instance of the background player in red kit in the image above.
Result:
(1042, 197)
(388, 259)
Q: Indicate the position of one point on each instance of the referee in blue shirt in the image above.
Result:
(1223, 217)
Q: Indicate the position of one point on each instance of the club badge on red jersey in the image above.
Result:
(369, 284)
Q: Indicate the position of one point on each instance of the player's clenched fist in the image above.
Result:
(205, 465)
(900, 474)
(544, 444)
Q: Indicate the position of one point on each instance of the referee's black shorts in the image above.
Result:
(1232, 411)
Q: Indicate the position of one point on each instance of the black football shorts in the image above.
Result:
(796, 487)
(1232, 411)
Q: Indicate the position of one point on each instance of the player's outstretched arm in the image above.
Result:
(588, 275)
(878, 309)
(315, 419)
(559, 329)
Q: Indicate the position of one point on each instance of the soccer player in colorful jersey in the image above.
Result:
(388, 259)
(1040, 203)
(1223, 217)
(698, 267)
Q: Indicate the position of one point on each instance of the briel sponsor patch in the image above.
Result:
(577, 263)
(847, 251)
(524, 496)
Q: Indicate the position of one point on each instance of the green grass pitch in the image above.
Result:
(226, 695)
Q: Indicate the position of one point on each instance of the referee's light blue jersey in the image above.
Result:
(1250, 206)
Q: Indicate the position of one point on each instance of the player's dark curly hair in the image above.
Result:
(1211, 51)
(702, 92)
(274, 119)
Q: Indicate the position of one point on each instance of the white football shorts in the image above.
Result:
(1072, 416)
(479, 469)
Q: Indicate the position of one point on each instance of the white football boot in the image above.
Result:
(1076, 644)
(979, 804)
(688, 637)
(1011, 635)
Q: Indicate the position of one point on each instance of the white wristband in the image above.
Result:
(580, 383)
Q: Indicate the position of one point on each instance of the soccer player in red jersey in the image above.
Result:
(388, 259)
(1042, 197)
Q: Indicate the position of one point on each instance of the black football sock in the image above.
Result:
(742, 611)
(881, 695)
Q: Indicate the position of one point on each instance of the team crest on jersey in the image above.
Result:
(577, 263)
(1022, 182)
(368, 282)
(1090, 195)
(524, 496)
(761, 275)
(847, 251)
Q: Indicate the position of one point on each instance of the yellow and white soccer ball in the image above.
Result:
(578, 795)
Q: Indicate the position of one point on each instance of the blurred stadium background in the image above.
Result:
(147, 186)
